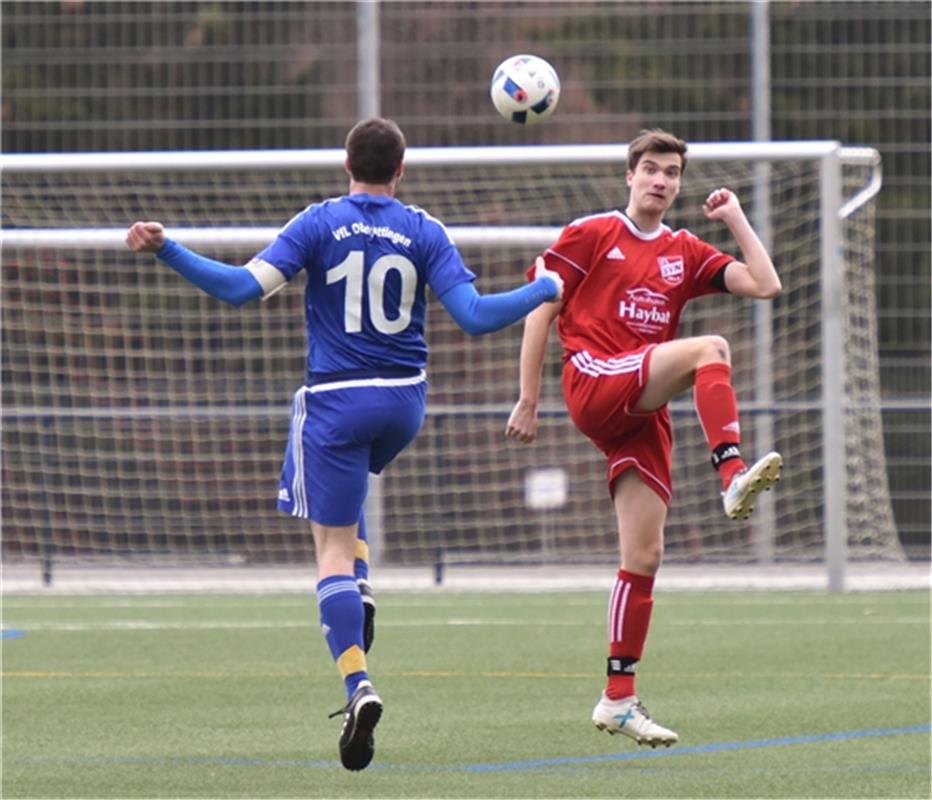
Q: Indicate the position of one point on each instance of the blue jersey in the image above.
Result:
(369, 260)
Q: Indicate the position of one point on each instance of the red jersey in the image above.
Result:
(624, 288)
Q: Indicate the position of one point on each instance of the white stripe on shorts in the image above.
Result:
(357, 382)
(298, 488)
(597, 367)
(644, 472)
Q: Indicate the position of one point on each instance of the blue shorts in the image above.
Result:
(340, 432)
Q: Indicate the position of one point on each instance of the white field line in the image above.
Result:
(156, 625)
(204, 603)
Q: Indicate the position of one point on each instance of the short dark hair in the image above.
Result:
(655, 140)
(375, 148)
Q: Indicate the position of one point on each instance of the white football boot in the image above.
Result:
(628, 716)
(738, 499)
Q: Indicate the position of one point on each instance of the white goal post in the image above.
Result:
(462, 494)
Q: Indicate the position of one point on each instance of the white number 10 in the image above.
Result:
(351, 269)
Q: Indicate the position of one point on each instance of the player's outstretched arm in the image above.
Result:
(756, 277)
(522, 424)
(233, 285)
(477, 314)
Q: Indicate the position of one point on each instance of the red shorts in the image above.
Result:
(600, 394)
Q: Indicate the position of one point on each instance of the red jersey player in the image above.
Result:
(626, 279)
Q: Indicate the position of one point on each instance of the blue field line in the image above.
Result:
(174, 761)
(716, 747)
(512, 766)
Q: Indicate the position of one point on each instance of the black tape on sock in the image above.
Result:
(725, 452)
(621, 665)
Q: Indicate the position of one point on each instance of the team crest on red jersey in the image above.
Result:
(671, 269)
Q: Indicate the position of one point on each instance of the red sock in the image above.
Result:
(628, 620)
(717, 408)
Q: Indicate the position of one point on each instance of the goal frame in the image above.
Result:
(831, 156)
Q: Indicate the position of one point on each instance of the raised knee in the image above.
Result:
(715, 349)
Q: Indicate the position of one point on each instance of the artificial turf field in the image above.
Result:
(786, 695)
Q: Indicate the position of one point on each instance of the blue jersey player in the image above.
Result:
(369, 260)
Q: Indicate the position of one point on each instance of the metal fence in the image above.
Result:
(85, 76)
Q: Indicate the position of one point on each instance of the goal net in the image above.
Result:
(145, 423)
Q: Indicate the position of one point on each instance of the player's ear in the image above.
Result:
(629, 176)
(396, 178)
(346, 167)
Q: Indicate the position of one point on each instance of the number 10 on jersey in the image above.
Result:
(351, 270)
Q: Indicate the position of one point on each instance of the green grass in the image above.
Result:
(485, 696)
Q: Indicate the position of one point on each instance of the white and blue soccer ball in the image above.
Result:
(525, 89)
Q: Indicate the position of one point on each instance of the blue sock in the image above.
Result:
(341, 618)
(361, 564)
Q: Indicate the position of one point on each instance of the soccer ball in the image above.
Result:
(525, 89)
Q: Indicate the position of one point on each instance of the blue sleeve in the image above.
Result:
(289, 251)
(233, 285)
(445, 267)
(477, 314)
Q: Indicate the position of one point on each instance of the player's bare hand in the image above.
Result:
(145, 237)
(541, 271)
(522, 424)
(721, 204)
